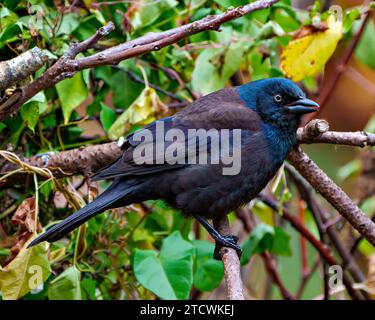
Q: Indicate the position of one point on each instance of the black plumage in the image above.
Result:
(268, 113)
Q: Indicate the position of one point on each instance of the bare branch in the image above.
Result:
(86, 160)
(231, 263)
(333, 193)
(67, 66)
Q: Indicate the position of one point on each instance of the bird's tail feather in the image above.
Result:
(119, 189)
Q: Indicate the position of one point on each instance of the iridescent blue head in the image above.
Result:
(278, 101)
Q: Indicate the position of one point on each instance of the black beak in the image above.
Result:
(303, 106)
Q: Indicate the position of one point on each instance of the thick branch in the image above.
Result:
(67, 66)
(19, 68)
(86, 160)
(231, 263)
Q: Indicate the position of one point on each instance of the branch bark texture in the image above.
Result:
(19, 68)
(231, 264)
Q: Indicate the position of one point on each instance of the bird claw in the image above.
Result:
(229, 241)
(45, 156)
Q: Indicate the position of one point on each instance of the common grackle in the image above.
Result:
(264, 114)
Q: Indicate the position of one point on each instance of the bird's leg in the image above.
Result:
(228, 240)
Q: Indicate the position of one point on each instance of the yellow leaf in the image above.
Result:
(307, 54)
(27, 271)
(142, 111)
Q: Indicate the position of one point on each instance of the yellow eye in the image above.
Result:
(278, 98)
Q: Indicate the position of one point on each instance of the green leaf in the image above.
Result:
(66, 286)
(350, 17)
(365, 51)
(266, 238)
(124, 90)
(281, 243)
(88, 287)
(2, 126)
(72, 92)
(208, 272)
(46, 188)
(27, 271)
(107, 116)
(9, 34)
(205, 77)
(149, 11)
(69, 23)
(30, 113)
(232, 60)
(170, 274)
(231, 3)
(259, 67)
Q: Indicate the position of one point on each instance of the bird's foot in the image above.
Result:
(229, 241)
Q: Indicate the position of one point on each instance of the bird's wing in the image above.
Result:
(220, 110)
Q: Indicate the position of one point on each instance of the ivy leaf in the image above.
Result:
(281, 243)
(72, 92)
(232, 60)
(205, 77)
(69, 23)
(27, 271)
(170, 274)
(307, 54)
(149, 11)
(66, 286)
(266, 238)
(9, 34)
(30, 114)
(231, 3)
(107, 116)
(208, 272)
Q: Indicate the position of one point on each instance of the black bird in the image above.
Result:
(267, 112)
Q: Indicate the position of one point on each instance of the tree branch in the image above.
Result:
(333, 194)
(67, 65)
(86, 160)
(19, 68)
(231, 264)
